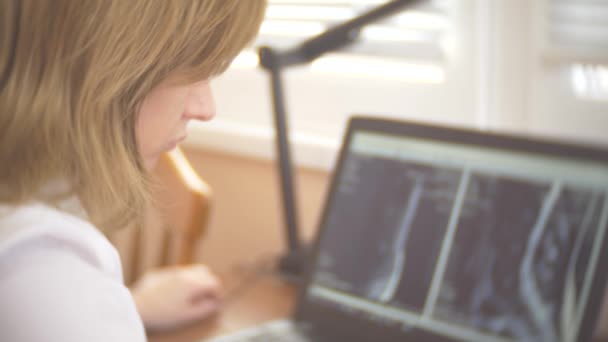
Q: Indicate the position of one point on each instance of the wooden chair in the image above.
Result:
(175, 225)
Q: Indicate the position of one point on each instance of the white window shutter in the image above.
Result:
(577, 31)
(577, 38)
(415, 34)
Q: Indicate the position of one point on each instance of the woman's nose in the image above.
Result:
(199, 103)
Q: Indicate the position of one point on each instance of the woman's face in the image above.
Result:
(165, 113)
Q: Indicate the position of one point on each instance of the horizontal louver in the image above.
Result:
(415, 33)
(577, 30)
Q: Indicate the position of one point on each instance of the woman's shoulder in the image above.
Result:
(59, 280)
(39, 228)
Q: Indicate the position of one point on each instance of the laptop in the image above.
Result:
(440, 234)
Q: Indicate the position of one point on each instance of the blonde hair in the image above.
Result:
(73, 75)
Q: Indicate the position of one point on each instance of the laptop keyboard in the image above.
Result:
(278, 331)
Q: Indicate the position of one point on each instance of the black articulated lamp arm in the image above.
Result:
(274, 62)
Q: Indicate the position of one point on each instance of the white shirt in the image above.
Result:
(61, 280)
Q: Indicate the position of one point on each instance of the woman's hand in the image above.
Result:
(170, 297)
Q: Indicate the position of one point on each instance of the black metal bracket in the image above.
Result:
(273, 61)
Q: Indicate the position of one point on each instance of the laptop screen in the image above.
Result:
(461, 241)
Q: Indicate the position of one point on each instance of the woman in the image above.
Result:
(91, 93)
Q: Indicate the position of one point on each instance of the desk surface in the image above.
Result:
(263, 299)
(260, 300)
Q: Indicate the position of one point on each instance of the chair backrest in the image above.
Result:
(173, 226)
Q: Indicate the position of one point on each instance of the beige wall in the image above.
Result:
(246, 219)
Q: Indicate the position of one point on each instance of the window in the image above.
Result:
(577, 36)
(590, 81)
(415, 34)
(567, 79)
(417, 64)
(409, 46)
